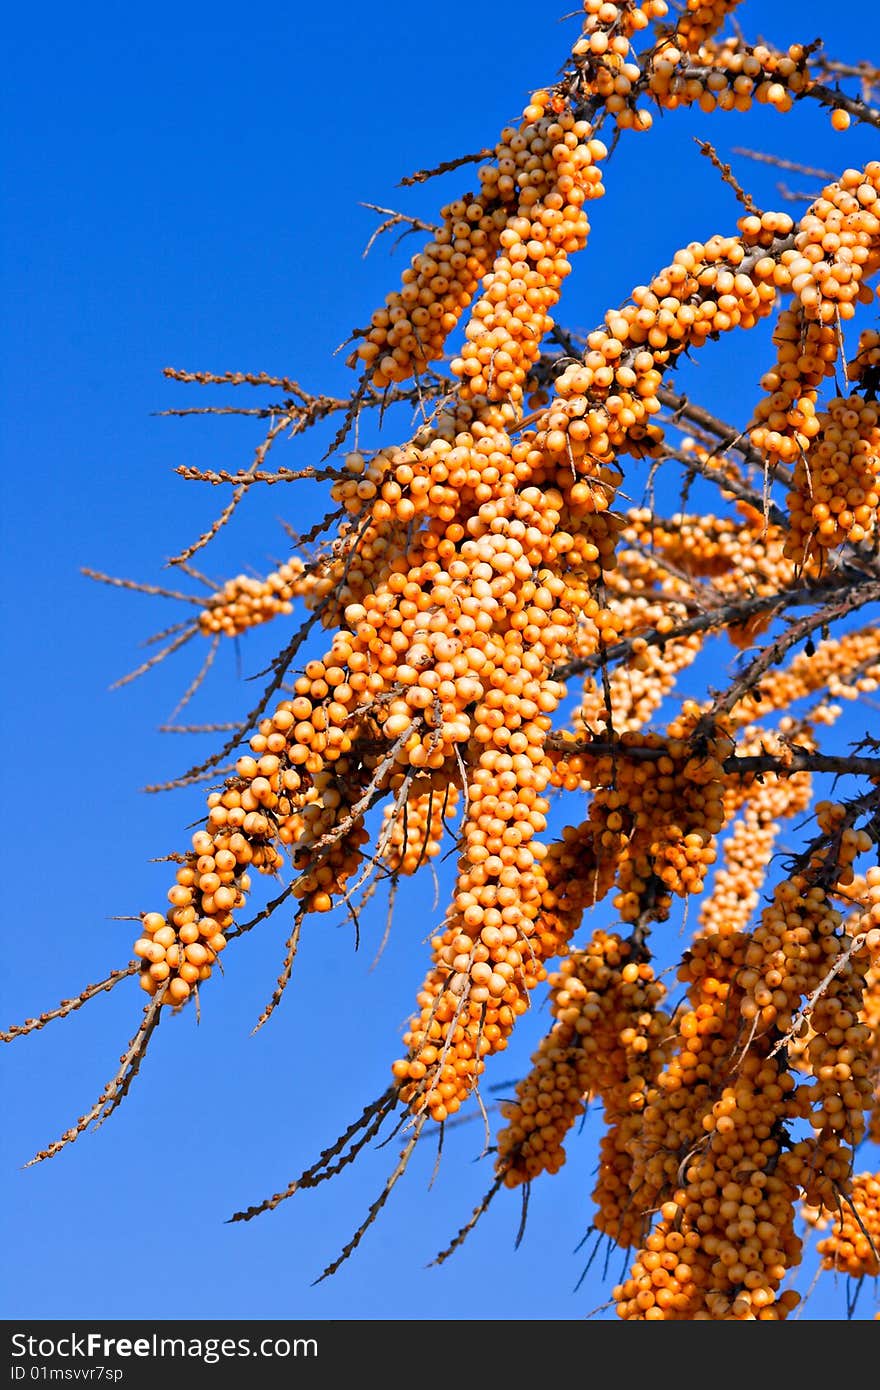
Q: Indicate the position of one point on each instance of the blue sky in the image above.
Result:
(186, 190)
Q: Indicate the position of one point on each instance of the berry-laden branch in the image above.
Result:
(480, 590)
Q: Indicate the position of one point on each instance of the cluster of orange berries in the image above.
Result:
(699, 20)
(847, 666)
(870, 1016)
(515, 236)
(511, 317)
(659, 815)
(620, 19)
(798, 929)
(785, 418)
(604, 999)
(731, 1207)
(739, 558)
(728, 76)
(411, 330)
(641, 595)
(852, 1245)
(706, 1158)
(489, 957)
(637, 689)
(726, 1240)
(602, 55)
(179, 948)
(835, 490)
(245, 601)
(864, 367)
(799, 952)
(479, 985)
(657, 807)
(604, 403)
(324, 854)
(837, 246)
(748, 848)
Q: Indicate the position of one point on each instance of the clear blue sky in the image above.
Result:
(184, 188)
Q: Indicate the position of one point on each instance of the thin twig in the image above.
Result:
(69, 1006)
(117, 1089)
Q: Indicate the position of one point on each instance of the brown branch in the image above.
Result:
(117, 1089)
(727, 435)
(855, 597)
(213, 775)
(247, 477)
(827, 175)
(376, 1206)
(286, 969)
(240, 928)
(731, 614)
(839, 101)
(282, 383)
(726, 173)
(180, 641)
(280, 666)
(196, 728)
(394, 219)
(153, 589)
(727, 483)
(69, 1006)
(803, 1013)
(422, 175)
(220, 521)
(257, 412)
(370, 1121)
(795, 759)
(466, 1229)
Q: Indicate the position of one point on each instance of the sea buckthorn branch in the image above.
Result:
(246, 478)
(732, 74)
(275, 429)
(748, 848)
(177, 952)
(474, 565)
(680, 405)
(396, 219)
(869, 1015)
(846, 665)
(856, 107)
(410, 331)
(415, 836)
(446, 167)
(852, 1245)
(334, 1158)
(69, 1006)
(867, 72)
(709, 152)
(279, 666)
(376, 1206)
(805, 1012)
(141, 588)
(607, 1035)
(771, 654)
(762, 157)
(282, 383)
(313, 409)
(184, 635)
(735, 613)
(737, 1253)
(794, 759)
(728, 437)
(117, 1088)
